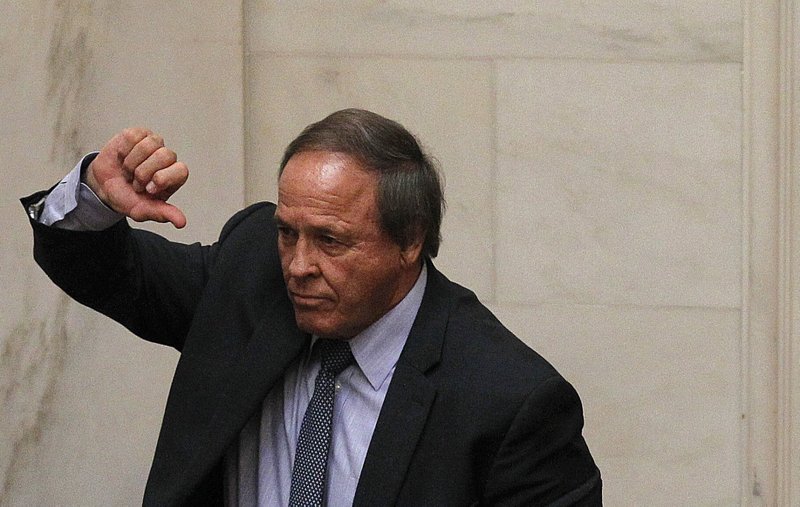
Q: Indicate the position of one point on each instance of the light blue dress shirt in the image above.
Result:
(360, 391)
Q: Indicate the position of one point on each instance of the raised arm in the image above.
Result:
(139, 279)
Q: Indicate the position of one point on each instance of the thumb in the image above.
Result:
(158, 211)
(174, 215)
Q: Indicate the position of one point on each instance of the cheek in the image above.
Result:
(367, 286)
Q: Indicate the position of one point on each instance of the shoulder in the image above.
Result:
(247, 249)
(256, 218)
(478, 340)
(535, 414)
(511, 408)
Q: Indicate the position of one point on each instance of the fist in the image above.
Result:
(134, 174)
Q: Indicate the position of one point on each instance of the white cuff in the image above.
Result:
(72, 205)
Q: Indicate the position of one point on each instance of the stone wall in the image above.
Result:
(619, 177)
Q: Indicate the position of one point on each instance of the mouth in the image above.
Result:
(306, 300)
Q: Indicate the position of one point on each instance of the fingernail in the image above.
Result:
(151, 188)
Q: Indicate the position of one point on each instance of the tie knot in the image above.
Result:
(336, 355)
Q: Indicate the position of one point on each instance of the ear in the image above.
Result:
(410, 255)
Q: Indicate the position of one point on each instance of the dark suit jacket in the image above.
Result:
(472, 416)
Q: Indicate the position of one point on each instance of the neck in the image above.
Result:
(407, 279)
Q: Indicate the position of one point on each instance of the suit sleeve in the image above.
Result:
(543, 459)
(143, 281)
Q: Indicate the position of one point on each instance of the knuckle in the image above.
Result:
(150, 144)
(166, 156)
(141, 177)
(133, 133)
(160, 179)
(127, 165)
(141, 174)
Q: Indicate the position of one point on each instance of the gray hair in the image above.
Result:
(410, 198)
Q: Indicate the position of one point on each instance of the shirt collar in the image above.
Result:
(378, 347)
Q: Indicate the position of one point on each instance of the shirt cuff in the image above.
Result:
(73, 206)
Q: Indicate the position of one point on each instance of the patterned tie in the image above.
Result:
(311, 457)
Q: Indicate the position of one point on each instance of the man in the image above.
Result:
(436, 404)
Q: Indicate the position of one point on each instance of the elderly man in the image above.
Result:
(324, 359)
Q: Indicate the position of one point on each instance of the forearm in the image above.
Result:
(146, 283)
(143, 281)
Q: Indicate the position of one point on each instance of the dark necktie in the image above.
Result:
(311, 457)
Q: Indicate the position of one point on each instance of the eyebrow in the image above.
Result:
(323, 230)
(278, 221)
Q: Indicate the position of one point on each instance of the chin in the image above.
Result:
(315, 327)
(326, 324)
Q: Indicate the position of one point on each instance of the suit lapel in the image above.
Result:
(218, 414)
(262, 364)
(408, 402)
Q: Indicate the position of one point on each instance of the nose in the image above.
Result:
(304, 261)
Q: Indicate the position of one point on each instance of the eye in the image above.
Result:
(286, 233)
(328, 240)
(330, 244)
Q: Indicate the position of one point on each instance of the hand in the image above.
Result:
(134, 174)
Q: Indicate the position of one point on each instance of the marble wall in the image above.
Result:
(599, 201)
(592, 154)
(80, 398)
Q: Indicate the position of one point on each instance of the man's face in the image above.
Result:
(342, 271)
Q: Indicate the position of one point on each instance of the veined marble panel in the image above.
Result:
(617, 30)
(44, 47)
(661, 393)
(447, 104)
(619, 183)
(96, 430)
(145, 21)
(191, 94)
(81, 399)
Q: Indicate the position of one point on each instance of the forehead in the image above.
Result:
(327, 183)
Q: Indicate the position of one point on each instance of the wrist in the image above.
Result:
(87, 177)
